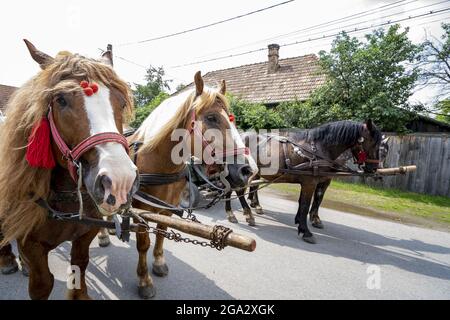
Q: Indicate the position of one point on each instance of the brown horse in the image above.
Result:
(194, 114)
(328, 141)
(84, 103)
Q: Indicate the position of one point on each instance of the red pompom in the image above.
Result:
(88, 91)
(231, 117)
(84, 84)
(39, 150)
(362, 157)
(94, 87)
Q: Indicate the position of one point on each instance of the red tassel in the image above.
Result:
(39, 150)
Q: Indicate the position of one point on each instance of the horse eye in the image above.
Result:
(61, 101)
(211, 118)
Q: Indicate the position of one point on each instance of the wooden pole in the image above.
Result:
(109, 48)
(197, 229)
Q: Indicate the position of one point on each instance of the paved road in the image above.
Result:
(414, 263)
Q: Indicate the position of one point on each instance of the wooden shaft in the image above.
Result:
(200, 230)
(401, 170)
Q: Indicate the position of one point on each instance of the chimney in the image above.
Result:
(273, 58)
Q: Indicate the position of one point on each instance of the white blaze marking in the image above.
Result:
(240, 144)
(113, 159)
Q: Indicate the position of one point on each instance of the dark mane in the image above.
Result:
(335, 133)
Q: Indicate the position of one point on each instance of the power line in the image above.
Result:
(206, 25)
(320, 25)
(378, 18)
(328, 23)
(318, 38)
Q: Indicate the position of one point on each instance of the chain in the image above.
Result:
(218, 235)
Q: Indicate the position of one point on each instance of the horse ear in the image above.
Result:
(198, 83)
(223, 87)
(42, 58)
(107, 58)
(369, 125)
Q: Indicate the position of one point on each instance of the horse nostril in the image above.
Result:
(245, 172)
(111, 200)
(106, 182)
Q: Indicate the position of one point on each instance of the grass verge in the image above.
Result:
(393, 204)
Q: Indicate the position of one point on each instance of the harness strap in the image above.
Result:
(122, 228)
(156, 179)
(157, 203)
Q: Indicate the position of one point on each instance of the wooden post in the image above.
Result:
(110, 49)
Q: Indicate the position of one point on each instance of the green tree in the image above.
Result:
(155, 84)
(368, 79)
(143, 112)
(435, 71)
(444, 109)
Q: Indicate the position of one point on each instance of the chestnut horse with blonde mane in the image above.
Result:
(86, 104)
(209, 110)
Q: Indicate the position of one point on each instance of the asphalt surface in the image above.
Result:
(355, 257)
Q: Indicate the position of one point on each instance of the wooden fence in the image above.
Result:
(430, 152)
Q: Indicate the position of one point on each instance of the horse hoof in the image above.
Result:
(251, 222)
(160, 270)
(311, 239)
(12, 268)
(318, 225)
(146, 292)
(233, 219)
(104, 241)
(259, 210)
(25, 271)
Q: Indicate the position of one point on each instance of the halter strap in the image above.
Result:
(211, 151)
(72, 156)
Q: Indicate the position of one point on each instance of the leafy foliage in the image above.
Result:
(368, 80)
(256, 116)
(435, 71)
(143, 112)
(155, 84)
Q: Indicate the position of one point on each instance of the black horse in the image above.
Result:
(328, 141)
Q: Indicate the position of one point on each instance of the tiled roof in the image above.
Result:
(295, 79)
(5, 93)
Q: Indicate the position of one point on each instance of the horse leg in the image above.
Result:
(8, 263)
(103, 238)
(35, 255)
(247, 211)
(160, 267)
(230, 215)
(318, 197)
(255, 200)
(146, 289)
(80, 258)
(304, 203)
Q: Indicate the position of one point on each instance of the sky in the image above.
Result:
(86, 26)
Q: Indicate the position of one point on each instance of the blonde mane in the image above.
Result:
(20, 184)
(153, 134)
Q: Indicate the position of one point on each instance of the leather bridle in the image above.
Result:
(212, 152)
(72, 156)
(361, 157)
